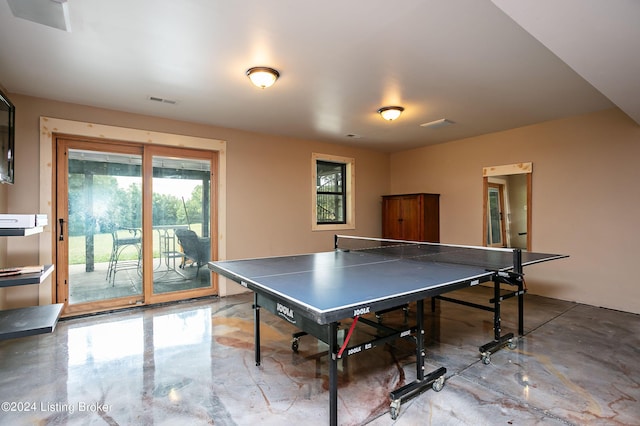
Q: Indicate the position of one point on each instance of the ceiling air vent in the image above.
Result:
(54, 13)
(443, 122)
(162, 100)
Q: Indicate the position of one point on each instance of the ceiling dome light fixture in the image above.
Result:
(262, 77)
(390, 113)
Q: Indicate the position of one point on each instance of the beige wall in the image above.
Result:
(585, 193)
(268, 185)
(586, 200)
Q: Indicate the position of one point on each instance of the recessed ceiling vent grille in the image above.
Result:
(162, 100)
(53, 13)
(443, 122)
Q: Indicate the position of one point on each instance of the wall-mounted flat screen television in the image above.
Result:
(7, 138)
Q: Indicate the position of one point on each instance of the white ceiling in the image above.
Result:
(485, 65)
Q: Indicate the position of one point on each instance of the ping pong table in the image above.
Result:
(363, 276)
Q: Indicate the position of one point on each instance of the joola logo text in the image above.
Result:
(286, 312)
(361, 311)
(354, 350)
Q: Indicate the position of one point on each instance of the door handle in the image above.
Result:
(61, 236)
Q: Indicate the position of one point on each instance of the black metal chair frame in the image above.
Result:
(120, 244)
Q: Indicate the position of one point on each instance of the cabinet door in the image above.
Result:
(401, 218)
(413, 217)
(431, 219)
(411, 224)
(391, 217)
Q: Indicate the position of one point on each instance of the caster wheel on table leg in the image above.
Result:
(394, 409)
(438, 384)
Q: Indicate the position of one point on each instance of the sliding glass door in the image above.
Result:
(181, 223)
(134, 224)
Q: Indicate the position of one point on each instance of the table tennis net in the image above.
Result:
(484, 257)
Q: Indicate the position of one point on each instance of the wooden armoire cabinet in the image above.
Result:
(414, 217)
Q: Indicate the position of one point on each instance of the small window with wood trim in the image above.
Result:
(333, 192)
(331, 195)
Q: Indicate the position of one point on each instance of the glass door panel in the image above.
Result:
(495, 222)
(135, 224)
(104, 227)
(181, 223)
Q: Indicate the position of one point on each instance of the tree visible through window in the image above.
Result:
(331, 196)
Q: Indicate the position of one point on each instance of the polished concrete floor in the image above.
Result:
(192, 363)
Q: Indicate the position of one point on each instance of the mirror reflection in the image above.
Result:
(507, 206)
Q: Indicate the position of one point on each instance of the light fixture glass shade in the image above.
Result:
(390, 113)
(262, 77)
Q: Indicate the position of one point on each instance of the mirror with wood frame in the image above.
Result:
(507, 206)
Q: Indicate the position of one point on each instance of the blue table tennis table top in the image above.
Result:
(331, 286)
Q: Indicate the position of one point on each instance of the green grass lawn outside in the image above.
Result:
(102, 245)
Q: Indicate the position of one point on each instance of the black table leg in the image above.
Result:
(434, 379)
(497, 329)
(333, 374)
(517, 268)
(256, 327)
(420, 355)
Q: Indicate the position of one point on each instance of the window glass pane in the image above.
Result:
(330, 208)
(494, 236)
(330, 192)
(104, 225)
(181, 223)
(330, 177)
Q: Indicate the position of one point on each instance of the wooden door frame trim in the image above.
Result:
(49, 127)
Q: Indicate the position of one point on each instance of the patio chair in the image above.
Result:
(124, 239)
(195, 248)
